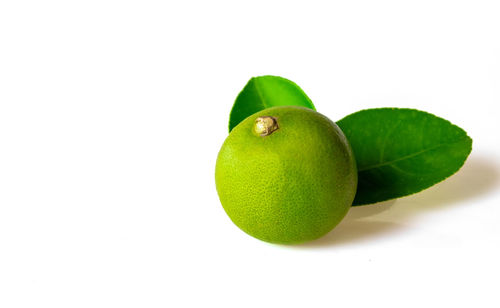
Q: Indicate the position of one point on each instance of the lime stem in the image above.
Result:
(265, 126)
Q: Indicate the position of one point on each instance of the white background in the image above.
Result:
(112, 114)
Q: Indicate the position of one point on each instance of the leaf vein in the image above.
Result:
(381, 164)
(262, 100)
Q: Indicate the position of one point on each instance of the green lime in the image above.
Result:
(286, 175)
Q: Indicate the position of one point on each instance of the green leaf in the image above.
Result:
(402, 151)
(264, 92)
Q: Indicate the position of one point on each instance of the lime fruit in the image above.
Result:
(286, 175)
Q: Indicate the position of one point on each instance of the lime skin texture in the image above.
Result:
(292, 185)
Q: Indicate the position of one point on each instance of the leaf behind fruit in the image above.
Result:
(402, 151)
(264, 92)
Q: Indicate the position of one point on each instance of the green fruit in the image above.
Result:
(286, 175)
